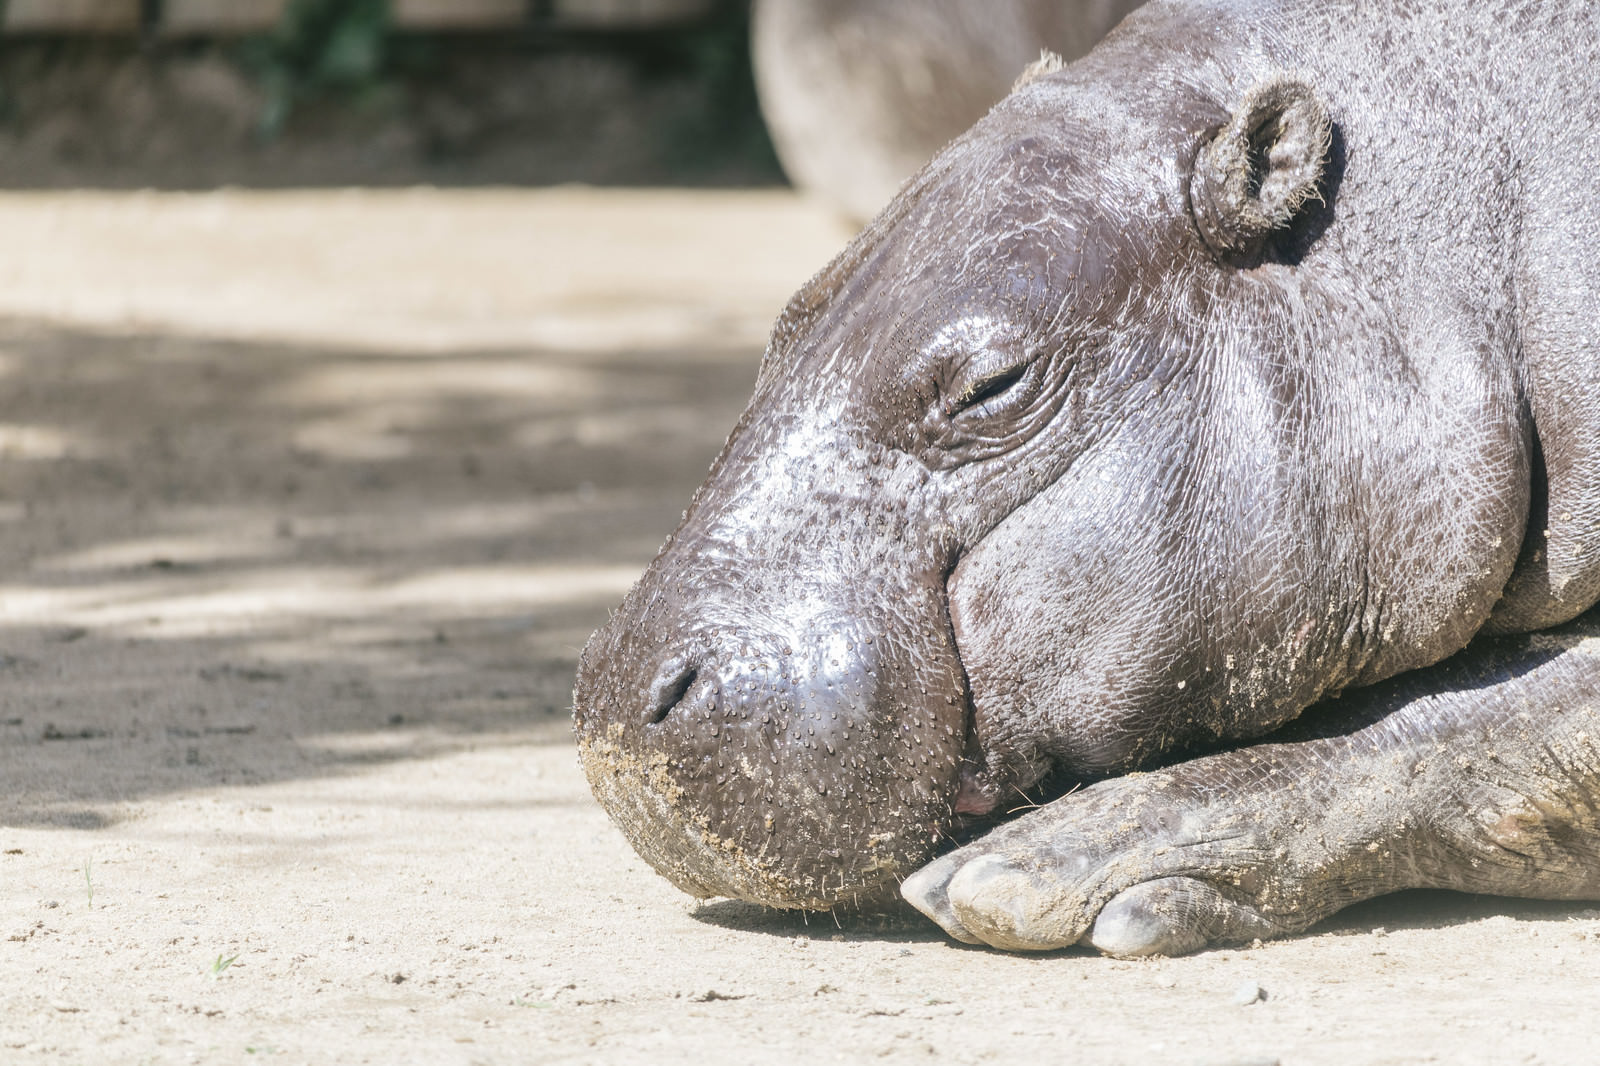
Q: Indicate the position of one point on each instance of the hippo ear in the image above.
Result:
(1261, 167)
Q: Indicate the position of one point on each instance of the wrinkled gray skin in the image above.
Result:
(859, 94)
(1247, 361)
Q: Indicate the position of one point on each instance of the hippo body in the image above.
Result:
(859, 94)
(1201, 455)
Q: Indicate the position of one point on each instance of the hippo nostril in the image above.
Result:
(668, 691)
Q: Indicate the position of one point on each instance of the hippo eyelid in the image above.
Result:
(978, 394)
(987, 388)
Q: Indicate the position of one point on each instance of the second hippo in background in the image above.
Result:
(858, 94)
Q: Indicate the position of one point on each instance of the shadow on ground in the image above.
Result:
(1418, 909)
(229, 563)
(895, 923)
(1432, 909)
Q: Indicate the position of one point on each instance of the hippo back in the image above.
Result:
(860, 93)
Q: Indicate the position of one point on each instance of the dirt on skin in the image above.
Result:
(307, 503)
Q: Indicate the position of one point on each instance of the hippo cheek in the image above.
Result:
(1064, 614)
(792, 766)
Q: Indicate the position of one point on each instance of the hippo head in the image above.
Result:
(1030, 482)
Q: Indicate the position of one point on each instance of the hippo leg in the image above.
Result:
(1481, 775)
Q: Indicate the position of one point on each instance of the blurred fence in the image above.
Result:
(273, 93)
(181, 18)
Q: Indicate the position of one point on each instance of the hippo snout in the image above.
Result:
(801, 768)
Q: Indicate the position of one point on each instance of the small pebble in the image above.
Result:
(1249, 993)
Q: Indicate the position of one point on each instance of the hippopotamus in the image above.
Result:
(1184, 497)
(858, 94)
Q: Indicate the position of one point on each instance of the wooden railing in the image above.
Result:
(228, 17)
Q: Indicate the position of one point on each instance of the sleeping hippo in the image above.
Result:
(1197, 463)
(858, 94)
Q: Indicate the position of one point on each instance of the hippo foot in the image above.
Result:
(1480, 775)
(1140, 865)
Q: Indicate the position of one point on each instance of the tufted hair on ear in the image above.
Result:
(1254, 175)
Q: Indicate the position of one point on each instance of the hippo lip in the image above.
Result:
(975, 795)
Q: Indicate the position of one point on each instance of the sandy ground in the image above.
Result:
(308, 502)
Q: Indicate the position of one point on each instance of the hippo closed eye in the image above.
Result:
(1237, 379)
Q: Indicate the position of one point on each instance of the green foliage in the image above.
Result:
(713, 56)
(346, 58)
(318, 47)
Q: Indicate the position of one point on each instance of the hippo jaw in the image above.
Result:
(777, 712)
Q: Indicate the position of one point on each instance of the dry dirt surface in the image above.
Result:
(307, 503)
